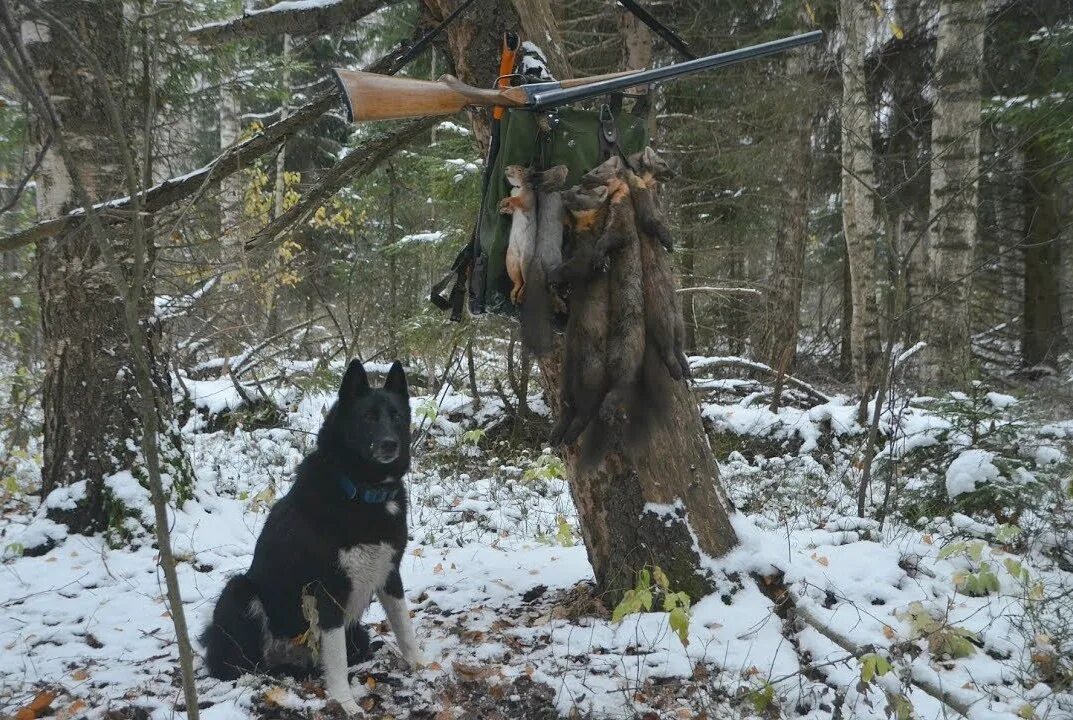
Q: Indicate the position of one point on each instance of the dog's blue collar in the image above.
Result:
(366, 494)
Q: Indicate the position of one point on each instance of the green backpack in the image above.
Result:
(579, 139)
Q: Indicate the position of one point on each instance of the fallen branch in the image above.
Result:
(718, 290)
(363, 159)
(294, 17)
(925, 684)
(738, 362)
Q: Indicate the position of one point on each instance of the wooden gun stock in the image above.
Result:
(370, 96)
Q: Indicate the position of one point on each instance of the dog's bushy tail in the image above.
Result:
(233, 639)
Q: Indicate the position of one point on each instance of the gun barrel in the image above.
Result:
(555, 95)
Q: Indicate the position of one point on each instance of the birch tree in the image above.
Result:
(859, 217)
(92, 422)
(955, 150)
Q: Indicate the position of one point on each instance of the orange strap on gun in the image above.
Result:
(370, 96)
(507, 57)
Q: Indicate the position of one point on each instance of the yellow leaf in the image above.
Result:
(370, 682)
(897, 30)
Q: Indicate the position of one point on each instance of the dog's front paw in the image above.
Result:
(415, 659)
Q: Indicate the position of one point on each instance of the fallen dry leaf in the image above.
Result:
(473, 673)
(821, 559)
(80, 675)
(370, 682)
(71, 710)
(434, 666)
(37, 707)
(888, 632)
(418, 552)
(438, 570)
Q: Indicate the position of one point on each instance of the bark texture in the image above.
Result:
(92, 424)
(779, 343)
(1043, 338)
(656, 499)
(473, 43)
(955, 147)
(859, 218)
(538, 22)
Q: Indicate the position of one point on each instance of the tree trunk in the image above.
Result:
(653, 501)
(859, 217)
(1043, 337)
(538, 22)
(955, 150)
(92, 422)
(788, 267)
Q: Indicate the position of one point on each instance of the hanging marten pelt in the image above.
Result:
(584, 376)
(625, 324)
(663, 314)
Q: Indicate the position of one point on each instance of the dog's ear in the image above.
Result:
(396, 380)
(355, 381)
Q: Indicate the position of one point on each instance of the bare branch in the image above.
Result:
(363, 159)
(738, 362)
(194, 183)
(26, 178)
(295, 17)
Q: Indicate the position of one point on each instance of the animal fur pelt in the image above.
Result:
(663, 314)
(539, 301)
(584, 379)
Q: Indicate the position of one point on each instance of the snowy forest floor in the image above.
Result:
(966, 584)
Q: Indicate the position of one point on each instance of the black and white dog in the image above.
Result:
(336, 538)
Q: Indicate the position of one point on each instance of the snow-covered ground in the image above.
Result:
(501, 586)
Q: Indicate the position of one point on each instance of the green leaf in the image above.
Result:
(473, 437)
(1016, 569)
(903, 709)
(644, 579)
(951, 550)
(762, 697)
(679, 618)
(11, 485)
(630, 604)
(1027, 712)
(976, 551)
(564, 535)
(868, 668)
(1006, 533)
(645, 597)
(15, 549)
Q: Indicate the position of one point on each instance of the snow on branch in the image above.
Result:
(295, 17)
(193, 184)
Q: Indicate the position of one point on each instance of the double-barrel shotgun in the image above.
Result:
(370, 96)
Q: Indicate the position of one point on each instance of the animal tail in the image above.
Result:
(233, 638)
(535, 314)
